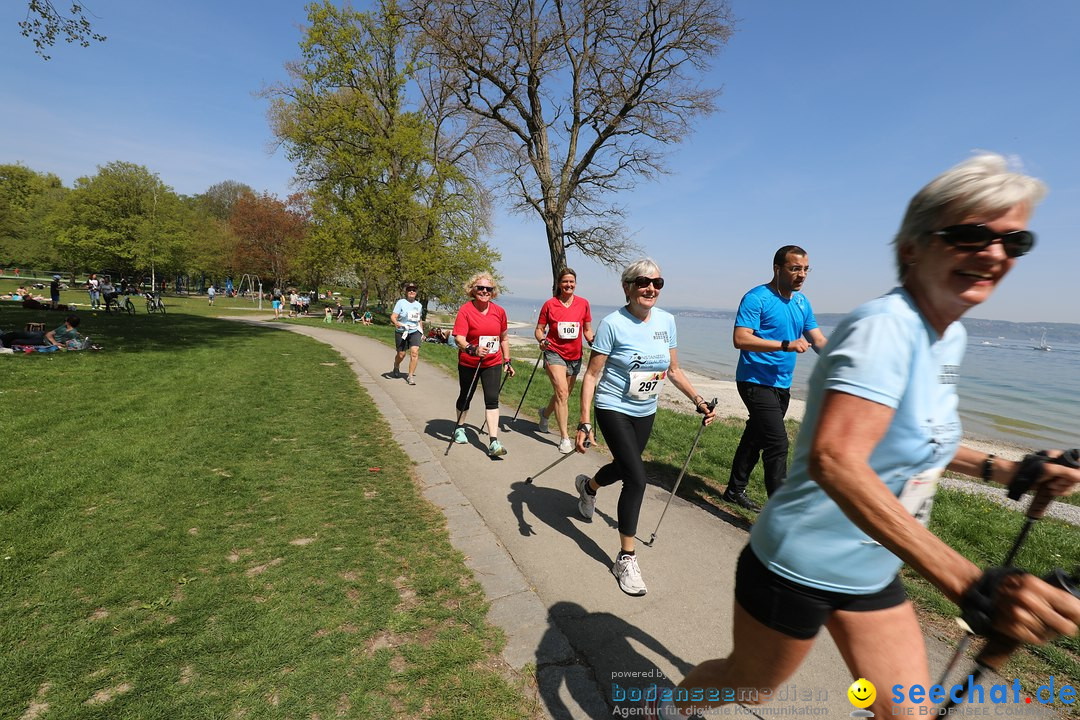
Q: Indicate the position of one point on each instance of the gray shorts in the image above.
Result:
(573, 367)
(413, 339)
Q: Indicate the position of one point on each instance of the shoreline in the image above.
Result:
(730, 406)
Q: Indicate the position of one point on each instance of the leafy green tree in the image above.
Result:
(45, 22)
(124, 218)
(387, 201)
(24, 194)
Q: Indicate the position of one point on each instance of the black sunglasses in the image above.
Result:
(483, 288)
(972, 238)
(643, 282)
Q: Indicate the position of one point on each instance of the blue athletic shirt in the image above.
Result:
(887, 353)
(636, 350)
(408, 314)
(772, 317)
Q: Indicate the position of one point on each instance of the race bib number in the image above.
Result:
(646, 385)
(414, 316)
(568, 330)
(491, 342)
(917, 497)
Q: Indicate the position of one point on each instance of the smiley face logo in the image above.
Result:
(862, 693)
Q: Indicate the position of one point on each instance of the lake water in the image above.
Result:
(1008, 390)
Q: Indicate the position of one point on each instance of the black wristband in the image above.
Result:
(988, 468)
(784, 345)
(470, 349)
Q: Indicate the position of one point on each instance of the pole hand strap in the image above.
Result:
(1031, 469)
(977, 604)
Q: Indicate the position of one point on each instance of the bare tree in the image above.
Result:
(583, 97)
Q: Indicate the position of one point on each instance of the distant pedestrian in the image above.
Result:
(276, 303)
(210, 293)
(483, 349)
(409, 331)
(774, 322)
(328, 315)
(93, 286)
(564, 320)
(54, 291)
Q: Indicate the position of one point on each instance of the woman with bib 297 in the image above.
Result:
(564, 320)
(483, 350)
(633, 353)
(881, 425)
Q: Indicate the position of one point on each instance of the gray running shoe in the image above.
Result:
(566, 446)
(586, 502)
(628, 574)
(409, 379)
(542, 426)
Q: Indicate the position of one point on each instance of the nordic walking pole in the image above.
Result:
(468, 399)
(682, 472)
(528, 480)
(526, 393)
(506, 376)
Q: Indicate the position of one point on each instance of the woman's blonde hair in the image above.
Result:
(475, 280)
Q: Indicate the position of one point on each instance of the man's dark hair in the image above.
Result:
(73, 320)
(781, 255)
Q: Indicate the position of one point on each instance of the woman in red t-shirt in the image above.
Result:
(483, 349)
(563, 321)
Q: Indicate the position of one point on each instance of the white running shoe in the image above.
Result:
(542, 426)
(628, 574)
(566, 446)
(586, 502)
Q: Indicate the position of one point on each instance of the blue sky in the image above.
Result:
(832, 115)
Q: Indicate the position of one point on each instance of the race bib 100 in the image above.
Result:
(568, 330)
(646, 385)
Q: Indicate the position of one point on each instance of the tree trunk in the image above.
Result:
(556, 250)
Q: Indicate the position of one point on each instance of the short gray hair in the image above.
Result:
(636, 269)
(983, 185)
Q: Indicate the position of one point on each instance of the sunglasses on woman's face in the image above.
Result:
(643, 282)
(972, 238)
(483, 289)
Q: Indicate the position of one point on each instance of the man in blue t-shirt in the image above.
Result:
(774, 322)
(409, 333)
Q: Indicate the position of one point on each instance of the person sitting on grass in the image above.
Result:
(367, 319)
(60, 337)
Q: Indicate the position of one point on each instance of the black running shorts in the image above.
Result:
(799, 610)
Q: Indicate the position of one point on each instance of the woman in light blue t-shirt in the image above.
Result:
(880, 427)
(633, 353)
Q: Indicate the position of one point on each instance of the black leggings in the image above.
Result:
(489, 376)
(626, 437)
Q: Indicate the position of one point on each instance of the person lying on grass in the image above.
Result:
(62, 337)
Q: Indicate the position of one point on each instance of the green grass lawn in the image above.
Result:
(209, 520)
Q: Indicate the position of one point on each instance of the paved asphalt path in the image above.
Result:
(547, 572)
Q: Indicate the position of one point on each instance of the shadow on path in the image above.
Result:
(607, 673)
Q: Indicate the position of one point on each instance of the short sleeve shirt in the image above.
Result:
(772, 317)
(884, 352)
(638, 355)
(565, 325)
(62, 334)
(481, 329)
(408, 314)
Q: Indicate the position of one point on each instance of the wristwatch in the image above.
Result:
(784, 345)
